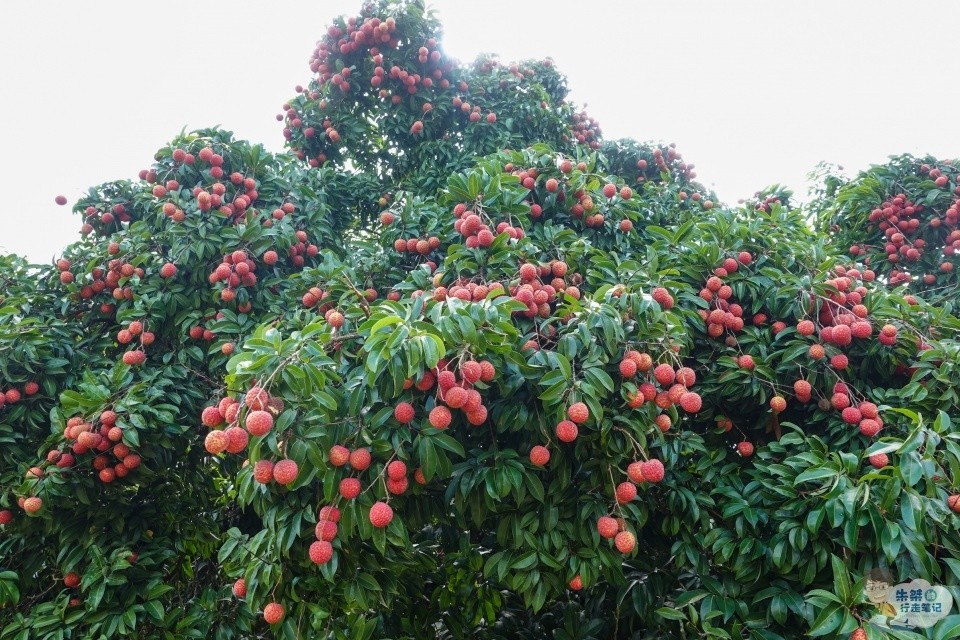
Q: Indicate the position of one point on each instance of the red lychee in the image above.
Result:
(567, 431)
(381, 515)
(259, 422)
(607, 527)
(273, 613)
(652, 470)
(539, 455)
(285, 471)
(578, 412)
(625, 542)
(321, 551)
(626, 491)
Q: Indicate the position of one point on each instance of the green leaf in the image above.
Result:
(670, 614)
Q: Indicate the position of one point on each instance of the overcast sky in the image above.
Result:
(753, 93)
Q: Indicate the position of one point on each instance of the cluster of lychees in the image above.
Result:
(455, 389)
(674, 385)
(470, 224)
(725, 315)
(132, 332)
(101, 438)
(115, 280)
(14, 395)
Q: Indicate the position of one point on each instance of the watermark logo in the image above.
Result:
(906, 605)
(919, 604)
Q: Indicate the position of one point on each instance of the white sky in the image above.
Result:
(752, 92)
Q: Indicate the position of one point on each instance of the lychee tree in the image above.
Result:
(440, 374)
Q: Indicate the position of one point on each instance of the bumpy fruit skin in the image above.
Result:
(329, 512)
(339, 455)
(607, 527)
(397, 470)
(778, 404)
(626, 491)
(216, 442)
(240, 588)
(350, 488)
(635, 472)
(567, 431)
(471, 371)
(320, 552)
(71, 580)
(6, 516)
(578, 412)
(745, 449)
(664, 374)
(879, 460)
(576, 584)
(404, 412)
(652, 470)
(360, 459)
(859, 634)
(440, 417)
(625, 542)
(326, 530)
(211, 417)
(539, 455)
(259, 422)
(954, 503)
(285, 471)
(381, 515)
(237, 439)
(32, 504)
(256, 399)
(691, 402)
(273, 613)
(263, 471)
(869, 427)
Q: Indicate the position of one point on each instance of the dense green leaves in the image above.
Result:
(519, 295)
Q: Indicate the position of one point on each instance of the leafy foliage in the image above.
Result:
(485, 377)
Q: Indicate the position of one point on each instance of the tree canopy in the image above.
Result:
(456, 366)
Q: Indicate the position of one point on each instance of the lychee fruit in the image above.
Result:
(350, 488)
(321, 551)
(404, 412)
(285, 471)
(440, 417)
(397, 470)
(215, 442)
(339, 455)
(539, 455)
(625, 542)
(360, 459)
(263, 471)
(259, 422)
(273, 613)
(32, 504)
(567, 431)
(626, 491)
(953, 502)
(652, 470)
(380, 515)
(607, 527)
(691, 402)
(578, 412)
(879, 460)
